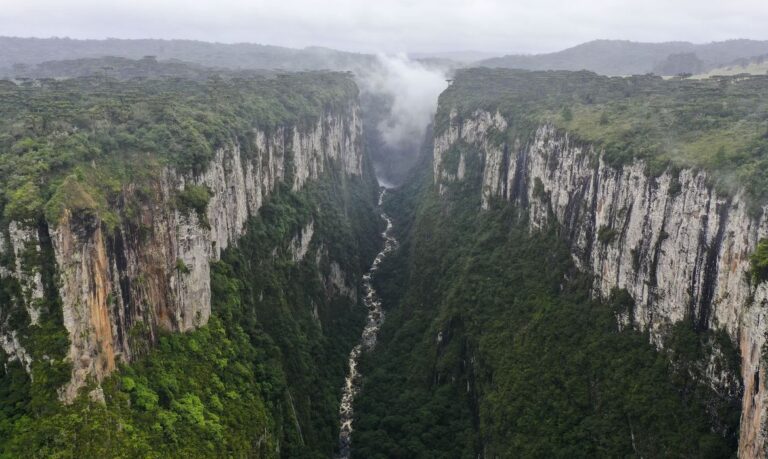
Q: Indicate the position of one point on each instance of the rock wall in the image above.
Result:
(17, 245)
(24, 243)
(120, 286)
(679, 248)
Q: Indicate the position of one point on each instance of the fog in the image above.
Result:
(399, 98)
(500, 26)
(413, 89)
(399, 95)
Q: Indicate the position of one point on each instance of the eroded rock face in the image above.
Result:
(300, 243)
(19, 250)
(14, 350)
(24, 242)
(119, 286)
(673, 242)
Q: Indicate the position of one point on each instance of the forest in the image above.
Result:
(495, 346)
(718, 124)
(262, 378)
(495, 343)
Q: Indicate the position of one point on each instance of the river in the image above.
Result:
(367, 341)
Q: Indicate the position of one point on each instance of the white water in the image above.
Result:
(367, 341)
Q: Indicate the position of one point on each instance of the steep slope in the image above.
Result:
(116, 199)
(547, 188)
(398, 95)
(620, 57)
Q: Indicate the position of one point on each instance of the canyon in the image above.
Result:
(254, 228)
(678, 253)
(113, 284)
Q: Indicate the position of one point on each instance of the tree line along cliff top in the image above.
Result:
(52, 132)
(719, 124)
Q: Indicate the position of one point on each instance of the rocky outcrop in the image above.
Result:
(300, 243)
(26, 248)
(337, 279)
(19, 254)
(9, 341)
(673, 242)
(121, 284)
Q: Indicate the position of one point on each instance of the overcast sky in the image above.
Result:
(392, 25)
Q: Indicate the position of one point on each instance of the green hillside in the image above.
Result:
(717, 124)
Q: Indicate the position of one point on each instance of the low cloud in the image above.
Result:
(500, 26)
(413, 89)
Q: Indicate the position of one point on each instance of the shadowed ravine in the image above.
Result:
(367, 340)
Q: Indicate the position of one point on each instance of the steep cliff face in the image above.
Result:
(21, 244)
(673, 242)
(120, 285)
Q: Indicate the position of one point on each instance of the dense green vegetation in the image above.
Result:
(261, 379)
(718, 124)
(195, 197)
(79, 140)
(493, 347)
(120, 68)
(759, 262)
(35, 393)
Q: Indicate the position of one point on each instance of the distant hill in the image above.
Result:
(120, 68)
(757, 65)
(608, 57)
(32, 51)
(619, 57)
(464, 57)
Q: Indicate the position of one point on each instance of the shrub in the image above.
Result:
(24, 203)
(69, 195)
(759, 262)
(195, 197)
(181, 267)
(567, 114)
(606, 235)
